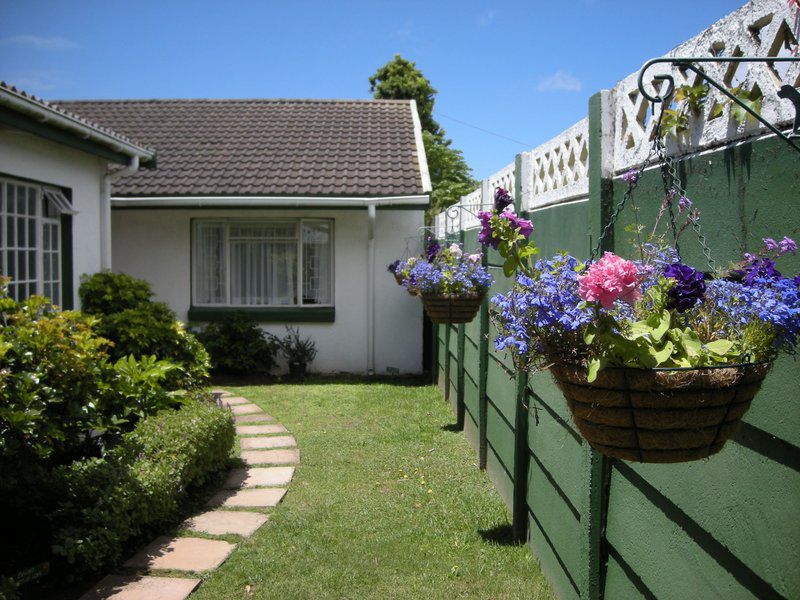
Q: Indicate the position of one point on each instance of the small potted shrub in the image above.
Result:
(451, 283)
(297, 352)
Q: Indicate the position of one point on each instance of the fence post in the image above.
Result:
(519, 514)
(483, 352)
(446, 362)
(460, 343)
(594, 509)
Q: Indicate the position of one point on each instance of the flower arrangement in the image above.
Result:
(449, 271)
(451, 282)
(650, 334)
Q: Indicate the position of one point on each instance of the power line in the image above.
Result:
(505, 137)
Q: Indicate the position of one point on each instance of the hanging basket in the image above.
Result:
(398, 278)
(447, 308)
(660, 415)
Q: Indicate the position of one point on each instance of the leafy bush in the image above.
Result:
(107, 293)
(61, 399)
(136, 325)
(139, 485)
(238, 345)
(54, 380)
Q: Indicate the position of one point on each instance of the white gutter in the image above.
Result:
(371, 289)
(45, 114)
(266, 201)
(422, 159)
(105, 211)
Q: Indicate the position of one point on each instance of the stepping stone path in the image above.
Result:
(250, 490)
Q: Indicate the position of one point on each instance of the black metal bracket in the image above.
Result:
(786, 92)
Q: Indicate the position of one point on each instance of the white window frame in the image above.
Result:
(42, 194)
(227, 260)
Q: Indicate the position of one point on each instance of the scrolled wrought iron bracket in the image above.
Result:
(786, 92)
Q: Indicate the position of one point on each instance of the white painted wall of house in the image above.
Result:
(31, 157)
(155, 245)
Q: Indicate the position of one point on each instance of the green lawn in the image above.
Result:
(388, 502)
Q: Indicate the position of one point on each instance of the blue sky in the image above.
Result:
(522, 70)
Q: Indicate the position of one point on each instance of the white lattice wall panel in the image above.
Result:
(471, 204)
(764, 28)
(557, 171)
(504, 178)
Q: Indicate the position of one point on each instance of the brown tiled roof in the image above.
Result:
(266, 147)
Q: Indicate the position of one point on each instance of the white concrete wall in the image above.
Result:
(31, 157)
(155, 245)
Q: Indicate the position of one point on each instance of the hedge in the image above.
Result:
(138, 485)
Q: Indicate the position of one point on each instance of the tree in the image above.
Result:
(451, 176)
(399, 79)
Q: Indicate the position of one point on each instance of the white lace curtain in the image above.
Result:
(256, 264)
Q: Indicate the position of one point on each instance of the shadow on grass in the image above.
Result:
(500, 535)
(230, 379)
(452, 427)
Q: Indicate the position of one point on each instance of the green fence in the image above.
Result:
(726, 527)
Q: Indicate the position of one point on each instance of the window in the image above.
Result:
(30, 238)
(263, 263)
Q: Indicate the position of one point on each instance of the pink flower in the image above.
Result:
(476, 258)
(610, 278)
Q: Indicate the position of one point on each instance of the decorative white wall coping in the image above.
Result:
(558, 169)
(764, 28)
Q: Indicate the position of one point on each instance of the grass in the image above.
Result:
(388, 502)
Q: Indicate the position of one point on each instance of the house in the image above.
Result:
(288, 210)
(55, 216)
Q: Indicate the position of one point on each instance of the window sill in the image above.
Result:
(289, 314)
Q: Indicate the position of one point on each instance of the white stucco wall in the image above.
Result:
(155, 245)
(27, 156)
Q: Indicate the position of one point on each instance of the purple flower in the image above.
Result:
(631, 176)
(432, 250)
(525, 227)
(759, 271)
(684, 204)
(690, 286)
(770, 245)
(393, 266)
(787, 245)
(485, 236)
(502, 199)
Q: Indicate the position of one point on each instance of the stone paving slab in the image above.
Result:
(252, 418)
(182, 554)
(246, 409)
(260, 429)
(259, 477)
(234, 401)
(249, 498)
(271, 457)
(123, 587)
(222, 522)
(275, 441)
(221, 391)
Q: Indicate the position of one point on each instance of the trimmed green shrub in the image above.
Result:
(136, 325)
(238, 345)
(140, 484)
(107, 293)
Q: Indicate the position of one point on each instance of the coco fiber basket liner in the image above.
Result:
(660, 415)
(446, 308)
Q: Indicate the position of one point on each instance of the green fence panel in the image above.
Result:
(730, 526)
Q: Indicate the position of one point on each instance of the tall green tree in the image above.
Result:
(451, 176)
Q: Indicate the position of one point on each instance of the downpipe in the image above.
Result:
(105, 211)
(371, 289)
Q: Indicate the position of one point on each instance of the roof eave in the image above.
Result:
(26, 113)
(268, 201)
